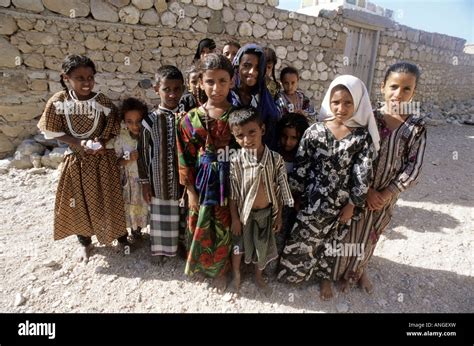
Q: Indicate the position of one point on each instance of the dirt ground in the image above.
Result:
(422, 264)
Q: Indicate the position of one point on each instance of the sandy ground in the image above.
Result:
(422, 264)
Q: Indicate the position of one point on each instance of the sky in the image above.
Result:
(450, 17)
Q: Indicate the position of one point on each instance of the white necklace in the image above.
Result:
(82, 105)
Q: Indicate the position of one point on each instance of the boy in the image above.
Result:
(230, 50)
(291, 99)
(158, 164)
(258, 187)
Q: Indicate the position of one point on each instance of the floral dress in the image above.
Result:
(328, 174)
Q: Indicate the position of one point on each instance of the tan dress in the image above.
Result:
(89, 195)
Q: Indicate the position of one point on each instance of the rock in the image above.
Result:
(119, 3)
(37, 170)
(10, 56)
(271, 24)
(168, 19)
(4, 165)
(215, 4)
(275, 35)
(5, 3)
(49, 143)
(215, 24)
(150, 17)
(50, 263)
(30, 146)
(259, 31)
(101, 10)
(342, 307)
(245, 29)
(41, 38)
(69, 8)
(93, 43)
(143, 4)
(30, 5)
(382, 302)
(35, 61)
(53, 159)
(161, 5)
(7, 25)
(242, 16)
(139, 298)
(435, 162)
(227, 15)
(36, 292)
(281, 52)
(19, 299)
(129, 15)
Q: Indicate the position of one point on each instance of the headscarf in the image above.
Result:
(363, 115)
(204, 43)
(266, 106)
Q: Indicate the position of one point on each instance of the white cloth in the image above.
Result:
(363, 115)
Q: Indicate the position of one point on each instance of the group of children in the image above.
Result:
(291, 181)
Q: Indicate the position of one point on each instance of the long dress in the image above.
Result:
(136, 209)
(89, 195)
(397, 167)
(328, 173)
(202, 143)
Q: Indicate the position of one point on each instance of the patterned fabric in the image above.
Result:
(272, 86)
(328, 174)
(201, 142)
(187, 102)
(246, 174)
(136, 209)
(302, 104)
(89, 195)
(158, 161)
(257, 241)
(164, 227)
(398, 168)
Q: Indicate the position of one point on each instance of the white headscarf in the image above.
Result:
(363, 115)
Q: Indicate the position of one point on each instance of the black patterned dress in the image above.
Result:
(328, 173)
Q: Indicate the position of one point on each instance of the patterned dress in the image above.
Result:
(398, 167)
(89, 196)
(328, 174)
(303, 103)
(136, 209)
(201, 147)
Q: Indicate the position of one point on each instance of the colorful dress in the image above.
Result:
(302, 104)
(202, 143)
(398, 167)
(89, 195)
(136, 209)
(328, 174)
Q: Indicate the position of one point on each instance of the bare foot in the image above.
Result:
(365, 283)
(83, 253)
(262, 284)
(220, 283)
(199, 277)
(325, 290)
(235, 283)
(157, 259)
(344, 285)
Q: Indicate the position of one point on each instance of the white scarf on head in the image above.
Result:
(363, 115)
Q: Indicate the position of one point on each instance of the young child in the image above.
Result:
(203, 133)
(158, 164)
(205, 46)
(250, 89)
(259, 188)
(192, 97)
(136, 209)
(398, 168)
(230, 50)
(291, 99)
(332, 171)
(270, 79)
(291, 128)
(89, 195)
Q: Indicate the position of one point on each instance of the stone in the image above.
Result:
(102, 10)
(68, 8)
(204, 12)
(10, 56)
(161, 6)
(19, 300)
(215, 24)
(275, 35)
(281, 52)
(319, 57)
(321, 32)
(242, 16)
(34, 60)
(41, 38)
(176, 8)
(306, 40)
(30, 5)
(245, 29)
(326, 42)
(30, 146)
(257, 18)
(231, 28)
(5, 3)
(119, 3)
(215, 4)
(306, 75)
(303, 55)
(185, 23)
(323, 76)
(53, 159)
(143, 4)
(322, 66)
(190, 11)
(200, 2)
(94, 43)
(4, 165)
(6, 146)
(288, 33)
(168, 19)
(49, 143)
(129, 15)
(259, 31)
(7, 25)
(296, 35)
(272, 24)
(227, 15)
(200, 25)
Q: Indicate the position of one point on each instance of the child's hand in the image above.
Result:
(133, 156)
(236, 227)
(193, 199)
(146, 190)
(346, 213)
(278, 223)
(375, 200)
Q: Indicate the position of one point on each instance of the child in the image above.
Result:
(205, 46)
(203, 133)
(332, 171)
(158, 164)
(291, 99)
(291, 128)
(136, 209)
(89, 196)
(259, 187)
(398, 167)
(250, 89)
(230, 50)
(270, 79)
(193, 96)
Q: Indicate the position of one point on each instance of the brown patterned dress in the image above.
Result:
(89, 195)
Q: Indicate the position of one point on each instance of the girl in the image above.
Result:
(250, 89)
(193, 97)
(270, 79)
(230, 49)
(89, 196)
(205, 46)
(331, 173)
(136, 209)
(398, 167)
(291, 128)
(291, 99)
(203, 134)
